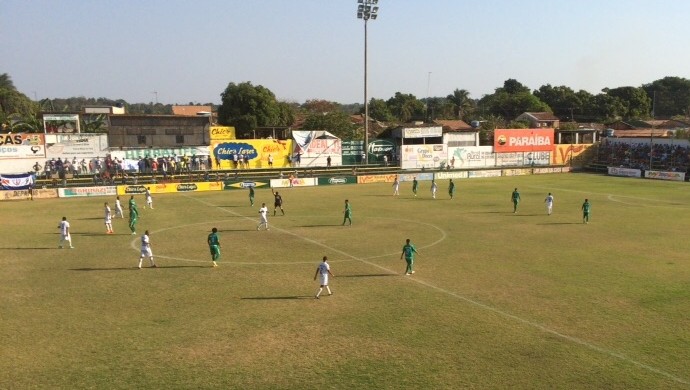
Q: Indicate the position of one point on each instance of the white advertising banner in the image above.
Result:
(87, 191)
(422, 156)
(663, 175)
(78, 145)
(293, 182)
(490, 173)
(450, 175)
(627, 172)
(471, 157)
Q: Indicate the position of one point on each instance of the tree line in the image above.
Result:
(247, 107)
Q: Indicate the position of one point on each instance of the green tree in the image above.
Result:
(406, 107)
(564, 102)
(320, 106)
(461, 103)
(670, 96)
(13, 101)
(511, 100)
(635, 100)
(337, 123)
(378, 110)
(247, 107)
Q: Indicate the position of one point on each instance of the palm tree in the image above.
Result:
(6, 82)
(460, 99)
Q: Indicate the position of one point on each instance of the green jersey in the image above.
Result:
(409, 250)
(213, 239)
(451, 188)
(348, 210)
(415, 185)
(251, 192)
(586, 207)
(515, 196)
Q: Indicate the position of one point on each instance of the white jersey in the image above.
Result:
(146, 246)
(264, 212)
(148, 195)
(549, 201)
(118, 205)
(108, 215)
(323, 273)
(64, 228)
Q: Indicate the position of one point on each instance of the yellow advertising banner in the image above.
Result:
(368, 179)
(167, 188)
(250, 153)
(564, 153)
(217, 133)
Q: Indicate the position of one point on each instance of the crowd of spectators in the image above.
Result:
(667, 157)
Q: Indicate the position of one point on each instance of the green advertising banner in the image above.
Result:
(244, 184)
(325, 181)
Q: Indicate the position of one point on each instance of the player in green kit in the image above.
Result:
(347, 213)
(415, 185)
(214, 246)
(133, 215)
(586, 208)
(515, 198)
(408, 251)
(451, 189)
(251, 195)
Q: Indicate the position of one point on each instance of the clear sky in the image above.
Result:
(188, 51)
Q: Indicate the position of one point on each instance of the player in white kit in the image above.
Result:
(118, 208)
(146, 250)
(108, 219)
(323, 271)
(263, 211)
(549, 203)
(64, 233)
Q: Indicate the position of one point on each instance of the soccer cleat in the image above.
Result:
(316, 297)
(407, 274)
(154, 266)
(412, 272)
(133, 233)
(71, 247)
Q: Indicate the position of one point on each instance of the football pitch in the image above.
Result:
(498, 300)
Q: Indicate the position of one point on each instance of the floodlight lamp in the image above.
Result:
(374, 1)
(360, 1)
(360, 8)
(373, 16)
(360, 15)
(375, 10)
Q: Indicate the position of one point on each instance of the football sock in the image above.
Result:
(319, 292)
(329, 290)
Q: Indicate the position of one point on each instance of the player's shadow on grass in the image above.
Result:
(87, 219)
(30, 248)
(137, 268)
(366, 275)
(283, 297)
(560, 223)
(321, 225)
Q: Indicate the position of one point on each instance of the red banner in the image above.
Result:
(523, 140)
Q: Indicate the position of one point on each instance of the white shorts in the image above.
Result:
(65, 237)
(324, 279)
(108, 221)
(146, 252)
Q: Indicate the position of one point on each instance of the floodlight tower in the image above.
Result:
(366, 9)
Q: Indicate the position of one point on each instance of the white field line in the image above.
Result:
(611, 197)
(495, 310)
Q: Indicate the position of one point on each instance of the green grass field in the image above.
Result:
(498, 300)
